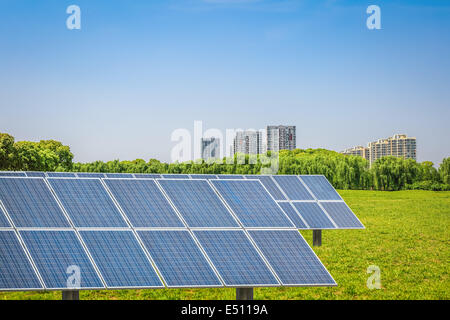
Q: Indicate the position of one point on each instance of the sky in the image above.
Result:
(138, 70)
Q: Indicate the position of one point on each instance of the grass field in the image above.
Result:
(407, 236)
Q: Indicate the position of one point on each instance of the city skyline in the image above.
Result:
(135, 72)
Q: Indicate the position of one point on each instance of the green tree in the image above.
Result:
(6, 151)
(444, 171)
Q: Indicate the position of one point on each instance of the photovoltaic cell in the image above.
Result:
(120, 259)
(252, 203)
(320, 187)
(16, 271)
(143, 203)
(147, 176)
(57, 255)
(87, 203)
(342, 215)
(3, 220)
(175, 176)
(293, 187)
(90, 175)
(61, 175)
(230, 176)
(203, 176)
(235, 258)
(198, 203)
(12, 174)
(270, 186)
(119, 175)
(30, 203)
(35, 174)
(179, 259)
(290, 211)
(314, 216)
(291, 258)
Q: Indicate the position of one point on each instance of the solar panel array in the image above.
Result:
(140, 232)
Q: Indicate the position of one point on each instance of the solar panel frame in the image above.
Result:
(349, 210)
(75, 218)
(175, 176)
(305, 245)
(252, 244)
(84, 231)
(25, 252)
(318, 193)
(237, 216)
(192, 224)
(119, 175)
(36, 174)
(147, 176)
(99, 175)
(203, 176)
(305, 194)
(52, 174)
(270, 189)
(6, 174)
(230, 176)
(158, 266)
(309, 222)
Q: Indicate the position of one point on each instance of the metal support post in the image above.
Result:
(71, 295)
(317, 238)
(244, 293)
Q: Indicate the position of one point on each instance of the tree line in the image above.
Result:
(343, 171)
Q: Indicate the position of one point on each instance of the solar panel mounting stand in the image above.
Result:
(317, 238)
(71, 295)
(244, 293)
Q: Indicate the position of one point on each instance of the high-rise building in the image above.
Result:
(281, 138)
(210, 148)
(248, 142)
(399, 145)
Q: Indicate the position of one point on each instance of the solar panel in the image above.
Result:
(57, 255)
(120, 259)
(197, 202)
(90, 175)
(321, 188)
(35, 174)
(203, 176)
(147, 176)
(179, 259)
(270, 186)
(252, 204)
(294, 262)
(16, 271)
(314, 216)
(30, 203)
(61, 175)
(87, 203)
(293, 187)
(342, 215)
(119, 175)
(12, 174)
(175, 176)
(3, 220)
(143, 203)
(230, 176)
(292, 214)
(235, 258)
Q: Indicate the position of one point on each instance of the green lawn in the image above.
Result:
(406, 236)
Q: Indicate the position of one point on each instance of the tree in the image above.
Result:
(6, 151)
(444, 171)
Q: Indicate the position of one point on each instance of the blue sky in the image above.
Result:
(137, 70)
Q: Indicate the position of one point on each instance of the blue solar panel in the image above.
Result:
(292, 259)
(16, 271)
(119, 175)
(270, 186)
(90, 175)
(179, 259)
(198, 203)
(30, 203)
(87, 203)
(175, 176)
(3, 220)
(203, 176)
(293, 188)
(120, 259)
(252, 203)
(235, 258)
(292, 214)
(12, 174)
(61, 175)
(35, 174)
(320, 187)
(314, 216)
(55, 253)
(230, 176)
(147, 176)
(342, 215)
(143, 203)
